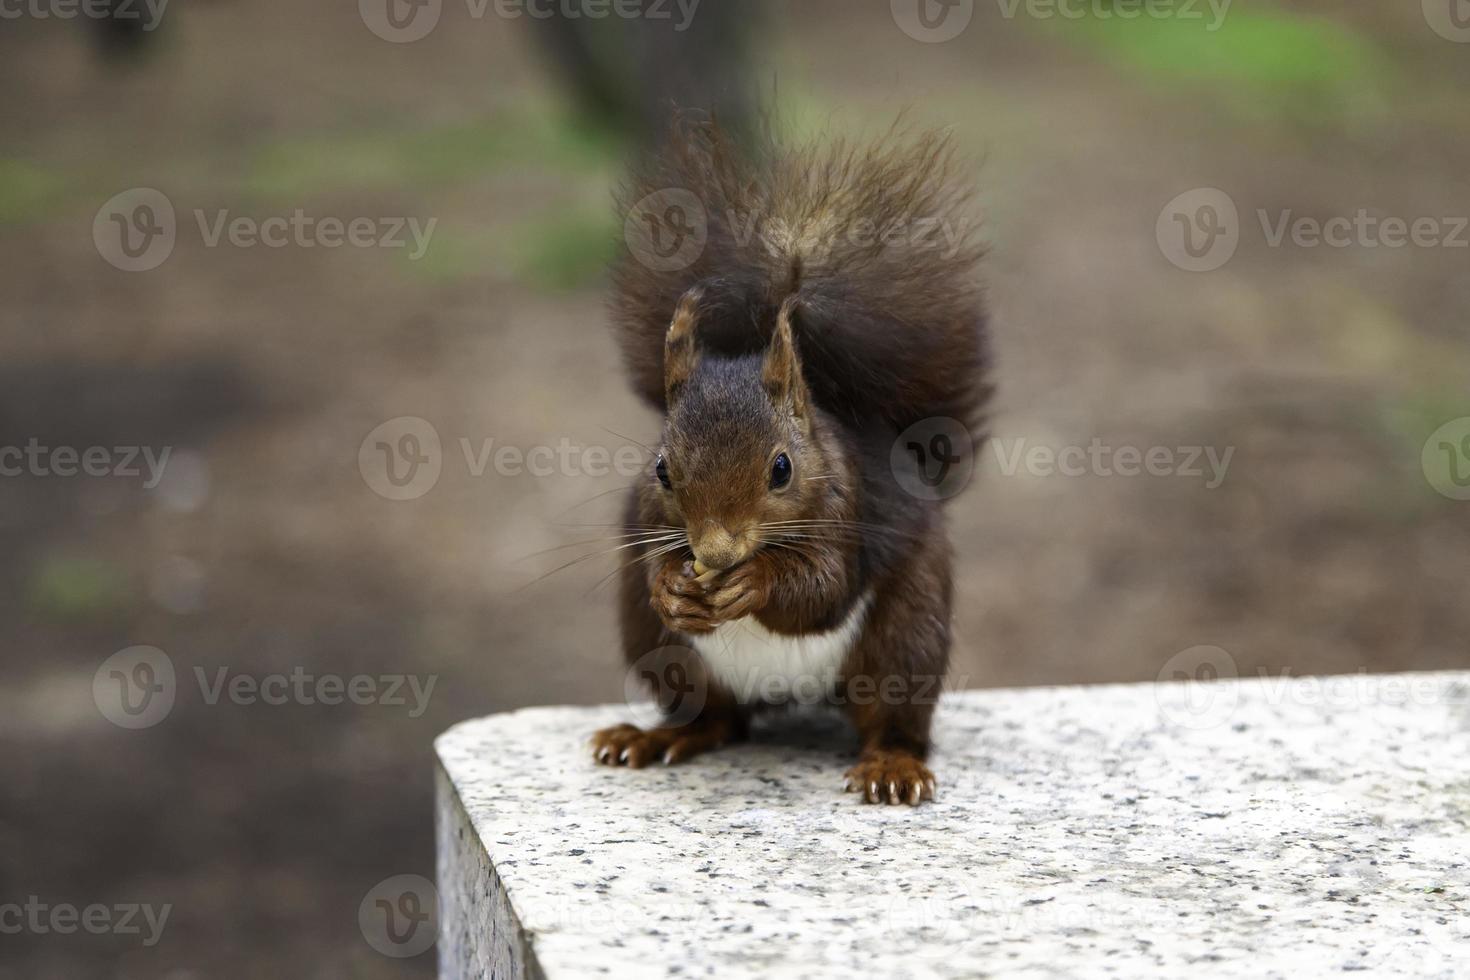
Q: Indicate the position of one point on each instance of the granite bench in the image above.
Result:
(1269, 827)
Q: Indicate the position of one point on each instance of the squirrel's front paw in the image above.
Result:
(682, 601)
(743, 590)
(631, 746)
(885, 776)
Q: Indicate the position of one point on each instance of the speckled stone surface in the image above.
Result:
(1261, 828)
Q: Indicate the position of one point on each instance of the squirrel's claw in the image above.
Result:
(887, 776)
(631, 746)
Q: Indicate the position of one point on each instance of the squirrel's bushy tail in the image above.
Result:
(874, 240)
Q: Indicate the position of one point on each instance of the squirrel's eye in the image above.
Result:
(662, 469)
(780, 471)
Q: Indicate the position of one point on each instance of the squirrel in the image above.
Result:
(773, 541)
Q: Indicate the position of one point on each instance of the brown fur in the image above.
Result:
(824, 351)
(894, 330)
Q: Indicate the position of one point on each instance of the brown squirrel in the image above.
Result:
(774, 539)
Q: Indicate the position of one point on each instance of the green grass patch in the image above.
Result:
(1407, 424)
(27, 191)
(546, 141)
(70, 589)
(565, 251)
(1261, 61)
(454, 255)
(1411, 420)
(558, 251)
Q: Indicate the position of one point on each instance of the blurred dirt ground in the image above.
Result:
(263, 549)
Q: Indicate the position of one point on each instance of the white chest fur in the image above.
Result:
(755, 664)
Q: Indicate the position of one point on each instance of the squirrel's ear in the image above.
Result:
(781, 369)
(680, 352)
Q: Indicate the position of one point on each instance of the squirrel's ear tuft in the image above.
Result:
(680, 352)
(781, 369)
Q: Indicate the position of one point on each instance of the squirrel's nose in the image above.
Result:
(716, 547)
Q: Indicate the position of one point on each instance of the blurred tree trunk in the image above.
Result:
(123, 31)
(631, 73)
